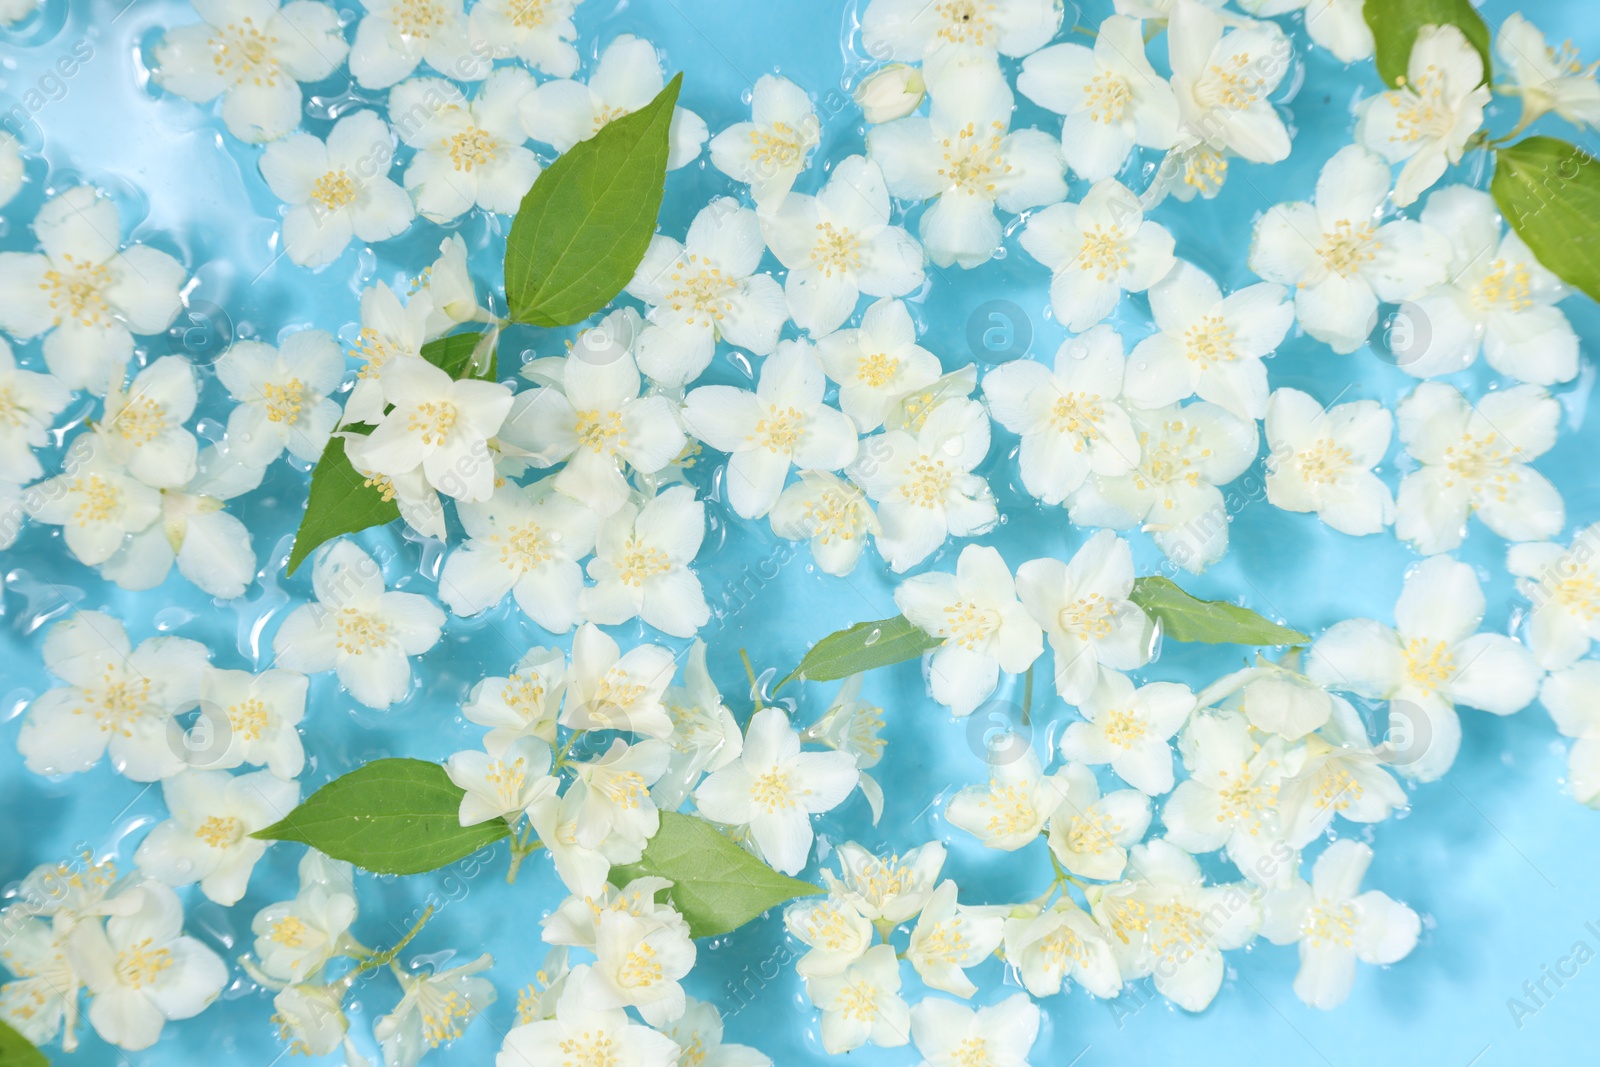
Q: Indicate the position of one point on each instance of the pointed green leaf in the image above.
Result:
(1395, 24)
(393, 816)
(1212, 622)
(1549, 192)
(716, 885)
(18, 1051)
(862, 647)
(341, 502)
(454, 354)
(584, 226)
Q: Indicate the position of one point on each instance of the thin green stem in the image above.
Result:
(387, 957)
(750, 672)
(561, 756)
(1027, 695)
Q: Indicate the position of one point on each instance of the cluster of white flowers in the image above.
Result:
(578, 481)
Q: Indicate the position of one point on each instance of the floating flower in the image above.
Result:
(12, 172)
(1060, 941)
(1432, 659)
(1110, 97)
(294, 938)
(627, 77)
(705, 736)
(641, 565)
(254, 54)
(890, 890)
(1545, 78)
(1425, 122)
(1564, 587)
(579, 1029)
(1570, 698)
(1337, 25)
(256, 715)
(29, 403)
(698, 1031)
(611, 690)
(143, 424)
(832, 514)
(1223, 73)
(1011, 810)
(538, 32)
(1090, 834)
(283, 395)
(524, 704)
(949, 938)
(89, 297)
(95, 501)
(42, 1001)
(835, 934)
(435, 1008)
(954, 1035)
(1321, 459)
(890, 93)
(638, 962)
(396, 35)
(336, 189)
(468, 154)
(769, 152)
(504, 784)
(911, 31)
(1230, 799)
(1128, 728)
(357, 628)
(862, 1003)
(207, 838)
(878, 363)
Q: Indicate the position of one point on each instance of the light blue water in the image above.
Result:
(1500, 862)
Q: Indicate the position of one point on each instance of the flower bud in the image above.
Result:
(891, 93)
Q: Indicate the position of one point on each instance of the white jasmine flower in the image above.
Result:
(1185, 453)
(1223, 73)
(596, 421)
(95, 501)
(769, 152)
(703, 290)
(1170, 924)
(1069, 420)
(641, 565)
(627, 77)
(1275, 698)
(839, 244)
(862, 1003)
(698, 1032)
(524, 540)
(538, 32)
(1230, 798)
(143, 423)
(337, 189)
(12, 172)
(835, 934)
(449, 289)
(1345, 779)
(832, 514)
(783, 422)
(438, 423)
(1474, 460)
(1090, 833)
(1545, 78)
(254, 54)
(89, 297)
(1337, 25)
(207, 838)
(774, 789)
(294, 938)
(259, 713)
(284, 396)
(616, 796)
(984, 627)
(521, 705)
(358, 628)
(390, 331)
(923, 483)
(582, 870)
(1011, 810)
(142, 970)
(889, 93)
(954, 1035)
(576, 921)
(504, 784)
(311, 1019)
(1497, 297)
(911, 31)
(579, 1029)
(1570, 698)
(117, 697)
(72, 891)
(435, 1007)
(1336, 926)
(878, 363)
(637, 964)
(1426, 122)
(42, 1001)
(396, 35)
(1563, 585)
(964, 154)
(468, 154)
(1431, 660)
(1321, 459)
(1111, 97)
(1059, 941)
(609, 690)
(705, 736)
(1339, 261)
(1097, 250)
(1084, 609)
(1128, 728)
(29, 403)
(1208, 344)
(891, 889)
(851, 725)
(949, 938)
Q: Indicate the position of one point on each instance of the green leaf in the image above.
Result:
(1395, 24)
(18, 1051)
(584, 226)
(1549, 192)
(393, 816)
(341, 502)
(1211, 622)
(862, 647)
(717, 885)
(453, 354)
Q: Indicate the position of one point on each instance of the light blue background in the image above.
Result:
(1498, 859)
